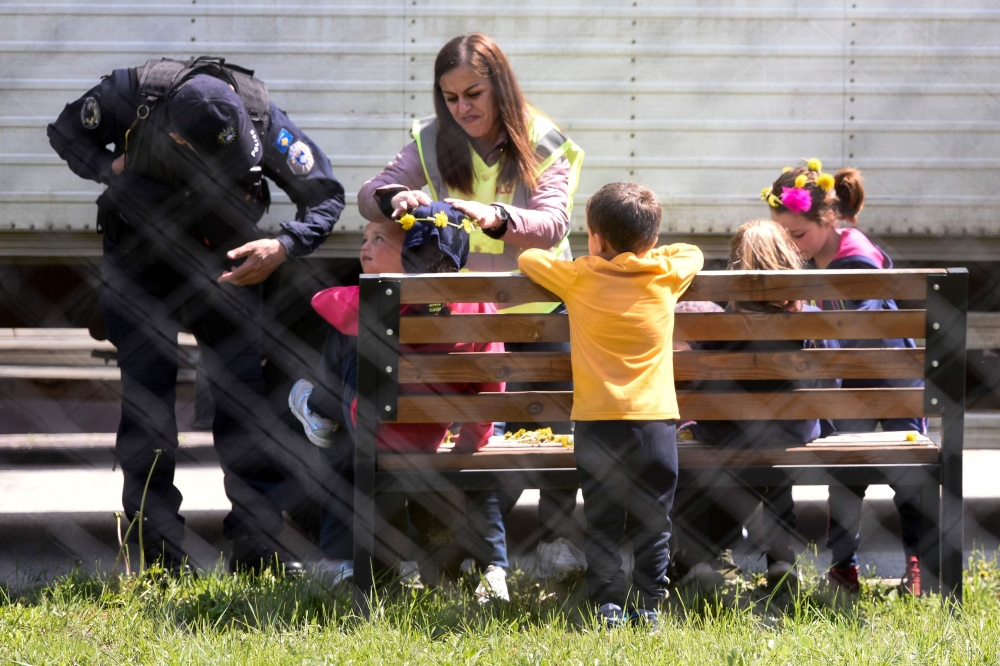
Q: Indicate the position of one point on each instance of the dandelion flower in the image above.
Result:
(467, 225)
(801, 180)
(825, 181)
(407, 222)
(785, 169)
(911, 436)
(814, 164)
(773, 200)
(441, 219)
(765, 193)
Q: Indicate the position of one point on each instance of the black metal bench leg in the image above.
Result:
(944, 393)
(930, 537)
(952, 530)
(364, 536)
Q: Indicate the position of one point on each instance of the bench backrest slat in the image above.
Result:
(688, 366)
(702, 405)
(834, 325)
(509, 288)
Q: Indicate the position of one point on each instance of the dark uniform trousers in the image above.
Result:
(144, 298)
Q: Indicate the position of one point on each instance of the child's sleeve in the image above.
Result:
(546, 270)
(473, 436)
(683, 262)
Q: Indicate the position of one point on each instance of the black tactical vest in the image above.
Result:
(234, 209)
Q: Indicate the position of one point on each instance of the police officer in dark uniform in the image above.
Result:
(184, 149)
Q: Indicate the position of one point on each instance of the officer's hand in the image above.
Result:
(409, 200)
(118, 166)
(262, 258)
(485, 216)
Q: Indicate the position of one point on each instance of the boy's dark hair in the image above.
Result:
(627, 215)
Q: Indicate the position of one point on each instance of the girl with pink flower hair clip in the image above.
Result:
(809, 204)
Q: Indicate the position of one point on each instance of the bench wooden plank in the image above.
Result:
(688, 454)
(511, 288)
(812, 285)
(688, 365)
(474, 367)
(422, 329)
(538, 406)
(834, 325)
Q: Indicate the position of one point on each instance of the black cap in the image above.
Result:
(209, 115)
(451, 240)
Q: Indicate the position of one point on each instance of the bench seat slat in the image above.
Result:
(834, 325)
(538, 406)
(689, 455)
(509, 289)
(688, 365)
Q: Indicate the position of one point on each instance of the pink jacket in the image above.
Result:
(542, 224)
(339, 306)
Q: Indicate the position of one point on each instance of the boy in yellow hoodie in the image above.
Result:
(621, 301)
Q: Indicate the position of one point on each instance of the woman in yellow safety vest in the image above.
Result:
(487, 152)
(492, 155)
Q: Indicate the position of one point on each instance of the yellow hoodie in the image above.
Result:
(621, 319)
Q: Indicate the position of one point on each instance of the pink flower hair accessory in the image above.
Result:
(796, 200)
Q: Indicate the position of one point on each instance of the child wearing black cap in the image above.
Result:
(432, 239)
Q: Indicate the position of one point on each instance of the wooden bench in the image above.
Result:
(883, 458)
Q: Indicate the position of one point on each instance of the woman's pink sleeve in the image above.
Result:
(546, 219)
(403, 173)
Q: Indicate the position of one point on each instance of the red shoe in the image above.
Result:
(845, 578)
(911, 581)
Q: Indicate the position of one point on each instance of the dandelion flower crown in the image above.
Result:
(440, 221)
(797, 199)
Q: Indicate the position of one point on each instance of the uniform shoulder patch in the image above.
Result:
(284, 141)
(300, 158)
(90, 113)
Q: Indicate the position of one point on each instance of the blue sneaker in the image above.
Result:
(611, 615)
(645, 618)
(318, 429)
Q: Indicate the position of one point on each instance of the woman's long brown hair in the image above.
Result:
(484, 57)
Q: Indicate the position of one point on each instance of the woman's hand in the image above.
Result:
(407, 201)
(485, 216)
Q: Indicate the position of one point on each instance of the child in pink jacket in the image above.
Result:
(328, 414)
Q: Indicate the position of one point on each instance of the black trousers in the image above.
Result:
(843, 531)
(628, 474)
(708, 520)
(150, 287)
(555, 505)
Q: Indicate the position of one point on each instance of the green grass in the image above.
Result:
(225, 619)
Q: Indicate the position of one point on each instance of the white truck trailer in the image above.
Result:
(703, 101)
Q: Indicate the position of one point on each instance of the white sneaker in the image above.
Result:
(558, 558)
(409, 574)
(318, 429)
(334, 572)
(493, 585)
